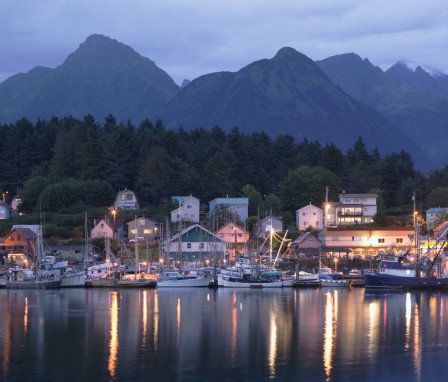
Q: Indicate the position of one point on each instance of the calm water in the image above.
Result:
(223, 335)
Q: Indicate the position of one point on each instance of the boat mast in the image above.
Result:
(136, 247)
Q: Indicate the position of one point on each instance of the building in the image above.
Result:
(143, 229)
(309, 216)
(263, 227)
(237, 206)
(306, 246)
(435, 216)
(126, 200)
(235, 237)
(366, 242)
(5, 211)
(351, 209)
(102, 229)
(20, 244)
(188, 210)
(194, 244)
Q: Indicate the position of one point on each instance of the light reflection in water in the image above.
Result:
(144, 319)
(178, 322)
(373, 335)
(330, 326)
(113, 342)
(6, 348)
(234, 331)
(416, 347)
(156, 321)
(25, 317)
(272, 345)
(408, 315)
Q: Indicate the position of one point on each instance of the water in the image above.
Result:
(223, 335)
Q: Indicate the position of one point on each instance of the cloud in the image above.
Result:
(188, 39)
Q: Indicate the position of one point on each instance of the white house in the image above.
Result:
(309, 216)
(351, 209)
(435, 215)
(238, 206)
(126, 200)
(188, 210)
(101, 230)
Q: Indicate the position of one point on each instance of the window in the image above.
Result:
(189, 245)
(381, 241)
(399, 240)
(314, 213)
(201, 245)
(303, 213)
(189, 206)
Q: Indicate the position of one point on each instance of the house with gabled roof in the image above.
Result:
(435, 216)
(5, 211)
(20, 243)
(309, 216)
(306, 245)
(237, 206)
(236, 238)
(188, 210)
(143, 229)
(194, 243)
(126, 200)
(263, 227)
(102, 229)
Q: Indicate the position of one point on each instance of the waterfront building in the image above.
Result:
(351, 209)
(235, 237)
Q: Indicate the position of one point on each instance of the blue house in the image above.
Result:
(238, 206)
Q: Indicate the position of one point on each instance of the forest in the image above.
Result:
(65, 166)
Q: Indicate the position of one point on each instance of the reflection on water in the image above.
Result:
(223, 335)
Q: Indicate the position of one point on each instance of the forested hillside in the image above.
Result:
(71, 165)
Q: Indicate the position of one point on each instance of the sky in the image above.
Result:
(189, 38)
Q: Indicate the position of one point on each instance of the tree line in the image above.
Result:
(67, 164)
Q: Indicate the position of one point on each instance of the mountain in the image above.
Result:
(288, 94)
(428, 82)
(408, 99)
(101, 77)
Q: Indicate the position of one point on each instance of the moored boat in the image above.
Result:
(177, 280)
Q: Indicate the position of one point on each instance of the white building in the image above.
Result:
(437, 216)
(309, 216)
(352, 209)
(188, 210)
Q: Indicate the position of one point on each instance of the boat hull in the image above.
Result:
(257, 284)
(375, 280)
(336, 283)
(190, 283)
(73, 280)
(110, 283)
(33, 284)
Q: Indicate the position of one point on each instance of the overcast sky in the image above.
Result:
(188, 38)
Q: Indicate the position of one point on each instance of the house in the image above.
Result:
(188, 210)
(194, 244)
(365, 242)
(351, 209)
(306, 245)
(102, 229)
(235, 237)
(237, 206)
(309, 216)
(143, 229)
(5, 211)
(20, 243)
(263, 227)
(435, 216)
(126, 200)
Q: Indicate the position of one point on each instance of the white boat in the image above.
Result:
(335, 280)
(306, 277)
(98, 270)
(115, 280)
(267, 279)
(174, 279)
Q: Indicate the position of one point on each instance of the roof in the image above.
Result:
(436, 209)
(230, 201)
(303, 237)
(279, 218)
(182, 199)
(308, 206)
(196, 226)
(358, 195)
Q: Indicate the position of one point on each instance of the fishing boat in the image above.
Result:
(176, 279)
(334, 280)
(266, 279)
(403, 271)
(117, 279)
(38, 276)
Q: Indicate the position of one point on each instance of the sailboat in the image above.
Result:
(41, 276)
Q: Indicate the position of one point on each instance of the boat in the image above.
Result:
(266, 279)
(176, 279)
(334, 280)
(40, 276)
(403, 271)
(116, 279)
